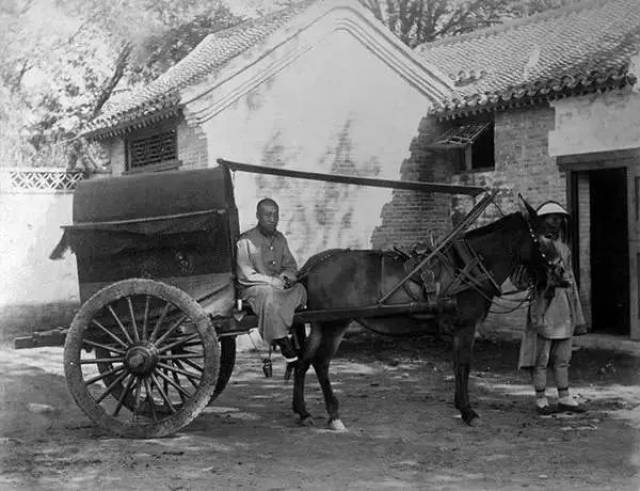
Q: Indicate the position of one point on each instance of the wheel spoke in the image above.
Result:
(119, 322)
(136, 336)
(123, 394)
(175, 383)
(145, 320)
(175, 326)
(155, 382)
(181, 356)
(115, 338)
(193, 365)
(136, 396)
(119, 359)
(147, 387)
(176, 380)
(103, 346)
(180, 342)
(181, 366)
(111, 386)
(186, 373)
(164, 313)
(113, 371)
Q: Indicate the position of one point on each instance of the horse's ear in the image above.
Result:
(529, 212)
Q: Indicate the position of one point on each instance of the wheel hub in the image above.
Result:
(141, 359)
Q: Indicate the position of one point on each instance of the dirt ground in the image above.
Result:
(396, 399)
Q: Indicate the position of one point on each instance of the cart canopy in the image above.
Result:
(178, 227)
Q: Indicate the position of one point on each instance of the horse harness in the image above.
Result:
(471, 273)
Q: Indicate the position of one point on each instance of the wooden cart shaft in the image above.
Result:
(228, 326)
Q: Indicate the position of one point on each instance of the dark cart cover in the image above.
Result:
(177, 227)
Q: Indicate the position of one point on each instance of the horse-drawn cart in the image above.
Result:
(154, 339)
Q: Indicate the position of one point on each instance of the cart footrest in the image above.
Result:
(54, 337)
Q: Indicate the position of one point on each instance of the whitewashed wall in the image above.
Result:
(596, 123)
(338, 109)
(30, 225)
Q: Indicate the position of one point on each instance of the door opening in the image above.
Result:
(609, 251)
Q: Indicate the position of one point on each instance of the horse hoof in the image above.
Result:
(475, 422)
(307, 421)
(337, 425)
(471, 418)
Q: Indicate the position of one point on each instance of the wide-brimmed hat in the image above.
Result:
(551, 208)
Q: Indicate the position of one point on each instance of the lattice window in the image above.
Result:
(38, 180)
(152, 148)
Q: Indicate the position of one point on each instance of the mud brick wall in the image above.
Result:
(522, 165)
(414, 216)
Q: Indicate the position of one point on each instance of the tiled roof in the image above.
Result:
(161, 98)
(578, 49)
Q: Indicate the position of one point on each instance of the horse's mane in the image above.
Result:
(316, 259)
(494, 226)
(320, 257)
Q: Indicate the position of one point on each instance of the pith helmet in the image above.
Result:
(551, 208)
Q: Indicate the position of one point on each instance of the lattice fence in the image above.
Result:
(38, 180)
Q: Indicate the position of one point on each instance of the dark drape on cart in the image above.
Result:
(177, 227)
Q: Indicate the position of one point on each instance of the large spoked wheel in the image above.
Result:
(141, 358)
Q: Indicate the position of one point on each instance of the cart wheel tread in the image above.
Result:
(155, 360)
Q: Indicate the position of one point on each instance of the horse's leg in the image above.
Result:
(332, 334)
(462, 354)
(311, 344)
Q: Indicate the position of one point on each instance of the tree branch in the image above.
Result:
(110, 84)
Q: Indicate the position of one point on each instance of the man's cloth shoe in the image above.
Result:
(545, 410)
(568, 404)
(567, 408)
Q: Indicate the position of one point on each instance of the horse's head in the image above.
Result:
(540, 263)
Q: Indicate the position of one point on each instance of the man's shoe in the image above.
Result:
(566, 408)
(286, 348)
(545, 410)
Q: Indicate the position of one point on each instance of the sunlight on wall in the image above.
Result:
(30, 225)
(595, 123)
(355, 116)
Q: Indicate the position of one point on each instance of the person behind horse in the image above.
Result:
(266, 272)
(554, 316)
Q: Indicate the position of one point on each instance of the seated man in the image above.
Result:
(266, 271)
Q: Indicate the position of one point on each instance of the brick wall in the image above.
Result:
(522, 165)
(584, 239)
(411, 216)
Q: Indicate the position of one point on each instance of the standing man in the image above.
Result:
(554, 316)
(266, 271)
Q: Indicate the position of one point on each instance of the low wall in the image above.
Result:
(37, 293)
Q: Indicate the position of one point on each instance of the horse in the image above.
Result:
(343, 278)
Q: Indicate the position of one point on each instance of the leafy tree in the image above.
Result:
(62, 60)
(420, 21)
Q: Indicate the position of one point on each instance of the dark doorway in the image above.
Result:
(609, 251)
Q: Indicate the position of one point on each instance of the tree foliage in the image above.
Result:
(420, 21)
(62, 60)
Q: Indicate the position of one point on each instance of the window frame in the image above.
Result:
(147, 133)
(462, 137)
